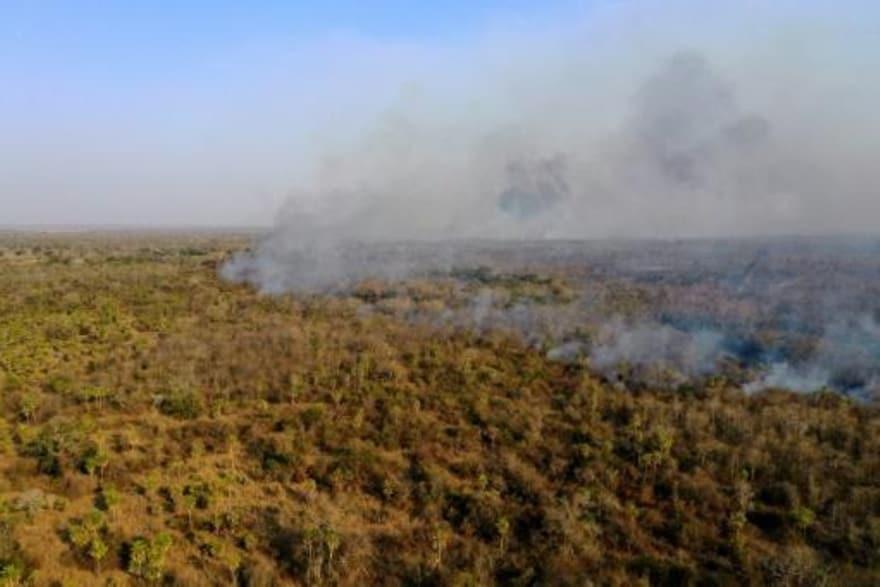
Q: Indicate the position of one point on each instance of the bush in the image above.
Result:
(185, 405)
(88, 536)
(147, 557)
(108, 498)
(93, 460)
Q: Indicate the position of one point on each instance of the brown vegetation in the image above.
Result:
(163, 426)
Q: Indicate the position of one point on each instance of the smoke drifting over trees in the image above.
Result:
(758, 127)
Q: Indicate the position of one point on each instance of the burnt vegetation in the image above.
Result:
(162, 426)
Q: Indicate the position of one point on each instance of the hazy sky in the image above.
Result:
(202, 112)
(214, 112)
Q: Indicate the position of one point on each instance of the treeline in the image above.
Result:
(160, 426)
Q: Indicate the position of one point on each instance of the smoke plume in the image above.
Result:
(640, 119)
(613, 131)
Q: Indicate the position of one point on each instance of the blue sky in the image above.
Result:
(224, 21)
(104, 102)
(124, 39)
(214, 112)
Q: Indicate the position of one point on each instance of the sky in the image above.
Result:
(220, 113)
(200, 112)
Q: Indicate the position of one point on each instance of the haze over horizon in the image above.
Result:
(473, 292)
(512, 120)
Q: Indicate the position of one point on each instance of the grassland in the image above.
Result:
(161, 426)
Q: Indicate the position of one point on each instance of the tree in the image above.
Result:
(147, 557)
(231, 559)
(87, 536)
(28, 406)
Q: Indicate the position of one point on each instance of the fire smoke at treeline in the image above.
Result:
(794, 313)
(591, 138)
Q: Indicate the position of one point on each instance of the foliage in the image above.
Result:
(332, 439)
(146, 558)
(89, 536)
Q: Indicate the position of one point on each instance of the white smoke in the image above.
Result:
(640, 119)
(742, 120)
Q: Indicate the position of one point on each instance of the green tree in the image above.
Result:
(87, 536)
(147, 557)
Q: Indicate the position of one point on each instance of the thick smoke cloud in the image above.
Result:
(690, 131)
(603, 134)
(651, 120)
(534, 187)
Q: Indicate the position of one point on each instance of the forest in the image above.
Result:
(162, 425)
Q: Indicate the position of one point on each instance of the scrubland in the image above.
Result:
(162, 426)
